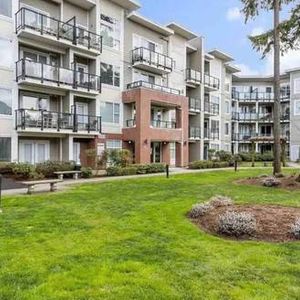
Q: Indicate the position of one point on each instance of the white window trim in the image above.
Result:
(112, 86)
(120, 111)
(296, 114)
(11, 115)
(296, 91)
(35, 143)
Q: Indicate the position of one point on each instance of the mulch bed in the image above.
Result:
(273, 222)
(287, 182)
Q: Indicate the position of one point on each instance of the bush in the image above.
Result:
(6, 168)
(156, 168)
(49, 167)
(295, 229)
(207, 164)
(237, 224)
(199, 210)
(118, 171)
(25, 171)
(86, 172)
(220, 201)
(267, 156)
(224, 156)
(246, 156)
(136, 169)
(271, 182)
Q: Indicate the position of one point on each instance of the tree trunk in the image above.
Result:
(277, 126)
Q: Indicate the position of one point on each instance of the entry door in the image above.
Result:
(205, 152)
(156, 152)
(82, 76)
(172, 154)
(76, 153)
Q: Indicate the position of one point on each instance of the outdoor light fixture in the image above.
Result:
(146, 141)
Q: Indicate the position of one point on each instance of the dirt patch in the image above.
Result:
(273, 222)
(287, 182)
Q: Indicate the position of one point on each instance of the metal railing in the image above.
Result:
(194, 104)
(61, 76)
(130, 123)
(258, 117)
(158, 60)
(152, 86)
(193, 76)
(29, 19)
(257, 96)
(195, 133)
(211, 81)
(239, 137)
(43, 120)
(211, 108)
(163, 124)
(211, 133)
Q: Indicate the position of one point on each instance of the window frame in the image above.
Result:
(11, 101)
(295, 104)
(10, 12)
(10, 148)
(114, 114)
(115, 76)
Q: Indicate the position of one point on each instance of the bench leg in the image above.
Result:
(75, 176)
(30, 189)
(53, 187)
(61, 177)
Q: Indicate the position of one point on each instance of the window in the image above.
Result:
(5, 149)
(268, 90)
(297, 86)
(297, 108)
(113, 144)
(6, 8)
(6, 53)
(110, 112)
(227, 107)
(34, 151)
(34, 102)
(110, 74)
(226, 128)
(110, 32)
(5, 102)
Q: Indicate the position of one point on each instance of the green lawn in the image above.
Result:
(131, 239)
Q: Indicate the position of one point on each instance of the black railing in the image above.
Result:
(45, 120)
(152, 86)
(243, 137)
(194, 104)
(258, 117)
(130, 123)
(29, 19)
(211, 81)
(195, 133)
(152, 58)
(163, 124)
(257, 96)
(193, 76)
(61, 76)
(211, 108)
(211, 134)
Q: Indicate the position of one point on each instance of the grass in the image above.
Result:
(131, 240)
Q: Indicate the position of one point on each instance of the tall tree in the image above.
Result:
(282, 37)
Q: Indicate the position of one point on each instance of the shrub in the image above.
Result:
(49, 167)
(136, 169)
(156, 168)
(118, 171)
(199, 210)
(271, 182)
(224, 156)
(295, 229)
(236, 224)
(23, 170)
(207, 164)
(6, 168)
(86, 172)
(266, 156)
(245, 156)
(219, 201)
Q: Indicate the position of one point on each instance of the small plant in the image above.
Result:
(220, 201)
(86, 172)
(295, 229)
(271, 182)
(200, 209)
(237, 224)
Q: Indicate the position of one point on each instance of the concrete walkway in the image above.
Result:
(69, 183)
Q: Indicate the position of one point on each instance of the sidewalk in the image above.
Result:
(69, 183)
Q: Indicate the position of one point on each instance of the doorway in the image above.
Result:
(156, 152)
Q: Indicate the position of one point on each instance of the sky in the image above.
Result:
(222, 25)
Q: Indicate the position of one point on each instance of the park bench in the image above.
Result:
(62, 173)
(31, 184)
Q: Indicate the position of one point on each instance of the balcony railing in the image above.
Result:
(195, 133)
(193, 76)
(211, 108)
(211, 134)
(163, 124)
(257, 96)
(130, 123)
(194, 104)
(55, 74)
(45, 120)
(152, 58)
(152, 86)
(29, 19)
(211, 81)
(243, 137)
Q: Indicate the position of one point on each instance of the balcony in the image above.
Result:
(152, 86)
(151, 61)
(211, 134)
(195, 133)
(163, 124)
(37, 26)
(194, 105)
(245, 117)
(193, 78)
(211, 108)
(212, 83)
(243, 137)
(258, 97)
(35, 73)
(48, 121)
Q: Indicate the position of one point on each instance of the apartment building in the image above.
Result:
(252, 113)
(95, 74)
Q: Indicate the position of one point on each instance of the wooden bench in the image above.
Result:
(62, 173)
(31, 184)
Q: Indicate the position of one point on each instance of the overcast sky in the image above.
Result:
(223, 26)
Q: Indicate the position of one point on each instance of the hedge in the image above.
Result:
(208, 164)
